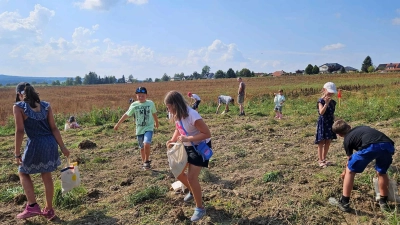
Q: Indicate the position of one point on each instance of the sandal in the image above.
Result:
(327, 163)
(322, 164)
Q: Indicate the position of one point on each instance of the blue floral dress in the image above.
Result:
(325, 122)
(41, 150)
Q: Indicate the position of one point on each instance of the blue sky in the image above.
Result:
(147, 38)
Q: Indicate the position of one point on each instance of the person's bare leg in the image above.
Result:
(193, 179)
(48, 189)
(383, 181)
(146, 151)
(143, 155)
(326, 148)
(27, 184)
(348, 182)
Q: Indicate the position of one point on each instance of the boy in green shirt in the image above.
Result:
(145, 114)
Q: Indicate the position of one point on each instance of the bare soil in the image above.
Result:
(234, 191)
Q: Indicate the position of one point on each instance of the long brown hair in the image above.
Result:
(178, 103)
(31, 96)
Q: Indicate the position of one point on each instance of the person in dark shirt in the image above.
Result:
(370, 144)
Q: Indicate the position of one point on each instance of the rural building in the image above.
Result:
(330, 68)
(300, 72)
(389, 67)
(278, 73)
(350, 69)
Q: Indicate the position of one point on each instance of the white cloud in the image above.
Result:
(138, 2)
(333, 47)
(396, 21)
(216, 52)
(100, 5)
(105, 5)
(14, 27)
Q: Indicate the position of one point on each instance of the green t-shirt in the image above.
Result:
(143, 115)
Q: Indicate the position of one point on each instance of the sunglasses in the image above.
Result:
(140, 90)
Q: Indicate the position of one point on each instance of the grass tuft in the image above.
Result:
(150, 193)
(271, 176)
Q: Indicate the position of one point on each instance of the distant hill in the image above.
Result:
(7, 79)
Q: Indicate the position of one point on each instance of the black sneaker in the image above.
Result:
(146, 165)
(345, 207)
(384, 207)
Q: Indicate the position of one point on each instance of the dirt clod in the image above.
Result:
(12, 177)
(86, 144)
(20, 199)
(94, 193)
(126, 182)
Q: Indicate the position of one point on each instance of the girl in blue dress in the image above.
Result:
(35, 118)
(326, 109)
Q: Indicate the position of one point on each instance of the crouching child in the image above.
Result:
(370, 144)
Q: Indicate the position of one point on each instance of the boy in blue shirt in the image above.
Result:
(145, 114)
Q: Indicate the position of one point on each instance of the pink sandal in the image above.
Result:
(322, 164)
(327, 163)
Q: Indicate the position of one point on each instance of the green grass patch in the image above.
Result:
(8, 194)
(100, 160)
(150, 193)
(71, 199)
(272, 176)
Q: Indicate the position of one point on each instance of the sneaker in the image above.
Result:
(146, 165)
(49, 214)
(29, 212)
(188, 197)
(198, 214)
(384, 207)
(345, 207)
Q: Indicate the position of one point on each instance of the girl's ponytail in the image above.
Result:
(31, 96)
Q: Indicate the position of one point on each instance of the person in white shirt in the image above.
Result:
(224, 99)
(279, 100)
(196, 99)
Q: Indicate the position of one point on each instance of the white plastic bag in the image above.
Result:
(178, 185)
(177, 158)
(393, 192)
(66, 127)
(70, 177)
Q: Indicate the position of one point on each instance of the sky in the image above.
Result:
(147, 38)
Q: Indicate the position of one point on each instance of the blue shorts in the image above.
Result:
(144, 138)
(381, 152)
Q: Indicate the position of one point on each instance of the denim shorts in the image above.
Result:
(145, 138)
(381, 152)
(278, 108)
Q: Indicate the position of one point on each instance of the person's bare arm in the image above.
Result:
(155, 120)
(123, 118)
(204, 132)
(173, 139)
(56, 132)
(19, 132)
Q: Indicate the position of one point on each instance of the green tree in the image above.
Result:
(230, 73)
(366, 64)
(196, 75)
(157, 80)
(69, 82)
(130, 78)
(56, 83)
(343, 70)
(205, 71)
(78, 80)
(315, 70)
(238, 73)
(309, 69)
(165, 77)
(148, 80)
(371, 69)
(91, 78)
(245, 72)
(219, 74)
